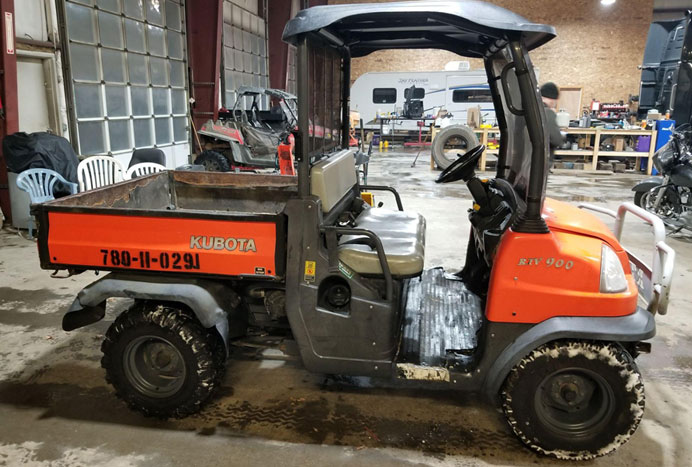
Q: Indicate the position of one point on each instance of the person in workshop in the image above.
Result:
(550, 94)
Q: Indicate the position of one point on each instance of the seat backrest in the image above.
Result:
(144, 168)
(97, 171)
(40, 184)
(147, 155)
(332, 178)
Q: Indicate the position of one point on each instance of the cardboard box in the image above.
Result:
(619, 143)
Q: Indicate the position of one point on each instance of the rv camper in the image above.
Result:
(456, 91)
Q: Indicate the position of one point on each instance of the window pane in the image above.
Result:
(154, 13)
(255, 45)
(384, 95)
(247, 41)
(180, 129)
(143, 136)
(173, 16)
(91, 138)
(228, 58)
(116, 101)
(133, 8)
(110, 5)
(238, 60)
(472, 95)
(229, 85)
(119, 134)
(88, 100)
(137, 65)
(177, 70)
(247, 62)
(139, 96)
(158, 71)
(80, 23)
(237, 39)
(155, 38)
(86, 2)
(161, 101)
(163, 130)
(134, 33)
(228, 35)
(179, 101)
(84, 63)
(175, 44)
(113, 62)
(110, 30)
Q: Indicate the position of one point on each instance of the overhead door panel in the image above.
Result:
(127, 66)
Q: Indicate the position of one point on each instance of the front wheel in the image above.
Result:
(161, 361)
(574, 400)
(669, 206)
(213, 161)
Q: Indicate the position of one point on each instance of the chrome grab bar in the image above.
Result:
(663, 256)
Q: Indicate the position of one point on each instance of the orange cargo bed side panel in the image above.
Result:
(172, 244)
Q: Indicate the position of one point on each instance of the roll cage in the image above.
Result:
(468, 28)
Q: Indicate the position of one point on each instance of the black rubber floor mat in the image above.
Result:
(441, 317)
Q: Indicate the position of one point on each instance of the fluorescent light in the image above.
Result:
(607, 2)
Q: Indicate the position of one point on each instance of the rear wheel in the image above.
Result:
(161, 361)
(574, 400)
(213, 161)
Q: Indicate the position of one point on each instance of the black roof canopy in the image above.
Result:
(466, 27)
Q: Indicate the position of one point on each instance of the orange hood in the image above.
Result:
(569, 218)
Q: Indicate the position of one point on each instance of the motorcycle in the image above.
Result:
(669, 195)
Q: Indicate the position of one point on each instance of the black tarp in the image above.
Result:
(41, 150)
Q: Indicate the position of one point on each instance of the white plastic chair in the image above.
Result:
(97, 171)
(143, 168)
(40, 184)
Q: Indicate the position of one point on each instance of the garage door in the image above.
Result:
(127, 65)
(244, 48)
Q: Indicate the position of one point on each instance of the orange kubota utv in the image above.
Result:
(546, 317)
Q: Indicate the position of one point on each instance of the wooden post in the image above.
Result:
(652, 150)
(596, 147)
(484, 142)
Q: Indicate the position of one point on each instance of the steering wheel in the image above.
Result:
(462, 168)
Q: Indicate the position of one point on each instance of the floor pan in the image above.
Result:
(442, 319)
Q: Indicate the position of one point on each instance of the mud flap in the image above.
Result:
(79, 315)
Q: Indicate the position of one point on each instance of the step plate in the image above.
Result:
(442, 318)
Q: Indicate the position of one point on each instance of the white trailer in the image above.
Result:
(382, 93)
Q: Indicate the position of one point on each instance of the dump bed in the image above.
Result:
(207, 223)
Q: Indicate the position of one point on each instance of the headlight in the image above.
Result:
(612, 275)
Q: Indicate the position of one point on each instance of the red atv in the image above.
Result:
(249, 139)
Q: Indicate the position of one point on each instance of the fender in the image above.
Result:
(636, 327)
(647, 184)
(214, 303)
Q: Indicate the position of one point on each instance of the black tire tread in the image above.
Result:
(220, 159)
(206, 344)
(626, 364)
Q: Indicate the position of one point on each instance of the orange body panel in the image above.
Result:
(537, 277)
(173, 244)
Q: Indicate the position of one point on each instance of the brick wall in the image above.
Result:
(598, 48)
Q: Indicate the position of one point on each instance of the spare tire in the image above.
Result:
(451, 142)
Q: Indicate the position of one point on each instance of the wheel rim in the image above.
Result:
(665, 209)
(574, 403)
(211, 166)
(154, 366)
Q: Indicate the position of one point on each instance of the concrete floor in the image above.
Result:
(56, 408)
